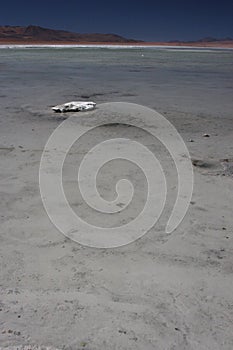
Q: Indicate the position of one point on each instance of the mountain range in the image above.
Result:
(38, 35)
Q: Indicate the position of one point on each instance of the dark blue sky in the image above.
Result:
(146, 20)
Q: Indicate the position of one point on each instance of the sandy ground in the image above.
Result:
(160, 292)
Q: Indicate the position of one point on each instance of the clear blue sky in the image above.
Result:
(146, 20)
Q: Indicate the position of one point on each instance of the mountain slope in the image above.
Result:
(38, 34)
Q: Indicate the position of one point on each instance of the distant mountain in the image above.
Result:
(204, 40)
(210, 39)
(38, 34)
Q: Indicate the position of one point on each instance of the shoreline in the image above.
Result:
(201, 45)
(111, 46)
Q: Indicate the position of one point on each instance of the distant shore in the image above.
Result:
(215, 44)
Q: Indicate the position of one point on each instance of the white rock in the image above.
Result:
(74, 106)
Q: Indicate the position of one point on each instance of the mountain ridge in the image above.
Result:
(33, 34)
(37, 33)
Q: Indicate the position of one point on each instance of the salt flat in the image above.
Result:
(160, 292)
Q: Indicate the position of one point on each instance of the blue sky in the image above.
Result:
(146, 20)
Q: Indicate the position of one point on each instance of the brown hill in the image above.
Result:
(38, 34)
